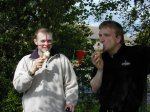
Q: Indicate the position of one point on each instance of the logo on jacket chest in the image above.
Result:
(125, 63)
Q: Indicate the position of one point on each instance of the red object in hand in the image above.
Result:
(80, 55)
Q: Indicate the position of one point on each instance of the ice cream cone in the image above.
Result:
(46, 55)
(98, 47)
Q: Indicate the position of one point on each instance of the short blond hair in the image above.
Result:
(42, 30)
(116, 26)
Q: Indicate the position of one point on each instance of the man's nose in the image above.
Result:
(101, 39)
(46, 43)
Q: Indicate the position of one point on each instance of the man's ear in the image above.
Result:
(35, 42)
(118, 39)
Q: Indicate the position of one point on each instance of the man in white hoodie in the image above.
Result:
(48, 83)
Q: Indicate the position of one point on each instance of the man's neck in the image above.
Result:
(115, 50)
(40, 53)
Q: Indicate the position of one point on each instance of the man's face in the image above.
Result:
(108, 37)
(43, 42)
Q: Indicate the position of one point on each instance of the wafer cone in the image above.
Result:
(98, 47)
(46, 54)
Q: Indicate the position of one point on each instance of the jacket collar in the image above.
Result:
(119, 52)
(34, 54)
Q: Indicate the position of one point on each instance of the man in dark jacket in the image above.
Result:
(120, 71)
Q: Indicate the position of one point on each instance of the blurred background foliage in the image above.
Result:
(19, 19)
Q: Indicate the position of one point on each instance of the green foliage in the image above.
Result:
(135, 15)
(12, 103)
(3, 88)
(88, 106)
(143, 36)
(19, 20)
(87, 99)
(148, 107)
(70, 36)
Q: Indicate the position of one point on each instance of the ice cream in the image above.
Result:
(98, 47)
(46, 54)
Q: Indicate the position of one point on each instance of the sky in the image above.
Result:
(92, 22)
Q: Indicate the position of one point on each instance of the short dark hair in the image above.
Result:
(115, 25)
(43, 30)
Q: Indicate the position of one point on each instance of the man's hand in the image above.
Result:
(97, 60)
(70, 108)
(37, 64)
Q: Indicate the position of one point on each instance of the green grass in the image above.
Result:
(87, 106)
(83, 106)
(148, 107)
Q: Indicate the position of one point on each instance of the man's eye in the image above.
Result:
(100, 35)
(106, 35)
(49, 41)
(42, 41)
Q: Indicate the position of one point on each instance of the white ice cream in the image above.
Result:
(46, 54)
(98, 47)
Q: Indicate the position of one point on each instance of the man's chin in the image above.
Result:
(46, 49)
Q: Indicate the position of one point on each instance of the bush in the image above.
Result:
(12, 102)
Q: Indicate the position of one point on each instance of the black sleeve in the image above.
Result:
(146, 58)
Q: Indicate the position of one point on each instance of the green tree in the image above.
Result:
(135, 15)
(19, 20)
